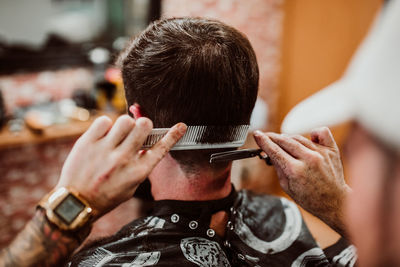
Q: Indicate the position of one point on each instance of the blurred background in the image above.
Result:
(57, 75)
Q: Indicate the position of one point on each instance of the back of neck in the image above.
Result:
(169, 181)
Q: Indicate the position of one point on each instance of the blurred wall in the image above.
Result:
(29, 22)
(24, 89)
(27, 174)
(319, 38)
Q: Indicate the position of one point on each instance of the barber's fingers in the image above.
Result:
(135, 139)
(158, 151)
(305, 141)
(291, 146)
(120, 130)
(97, 130)
(279, 157)
(324, 137)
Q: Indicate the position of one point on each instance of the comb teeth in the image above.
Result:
(194, 134)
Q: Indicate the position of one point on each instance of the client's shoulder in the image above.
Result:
(267, 216)
(254, 201)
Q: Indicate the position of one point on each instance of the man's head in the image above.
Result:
(192, 70)
(368, 93)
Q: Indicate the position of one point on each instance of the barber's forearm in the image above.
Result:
(335, 217)
(38, 244)
(336, 222)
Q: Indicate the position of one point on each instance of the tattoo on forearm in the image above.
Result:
(38, 244)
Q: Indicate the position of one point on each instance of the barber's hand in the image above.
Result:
(310, 171)
(105, 165)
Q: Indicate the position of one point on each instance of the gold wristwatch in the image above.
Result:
(65, 208)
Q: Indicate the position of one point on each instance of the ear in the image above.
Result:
(135, 110)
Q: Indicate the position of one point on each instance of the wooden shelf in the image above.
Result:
(73, 129)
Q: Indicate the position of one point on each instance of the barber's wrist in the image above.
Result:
(48, 245)
(68, 212)
(336, 217)
(77, 236)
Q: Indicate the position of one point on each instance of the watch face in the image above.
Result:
(69, 209)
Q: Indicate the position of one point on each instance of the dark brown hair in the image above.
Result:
(193, 70)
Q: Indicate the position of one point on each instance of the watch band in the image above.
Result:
(79, 235)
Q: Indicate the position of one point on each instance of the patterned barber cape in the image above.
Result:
(262, 230)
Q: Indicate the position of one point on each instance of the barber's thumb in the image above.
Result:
(324, 137)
